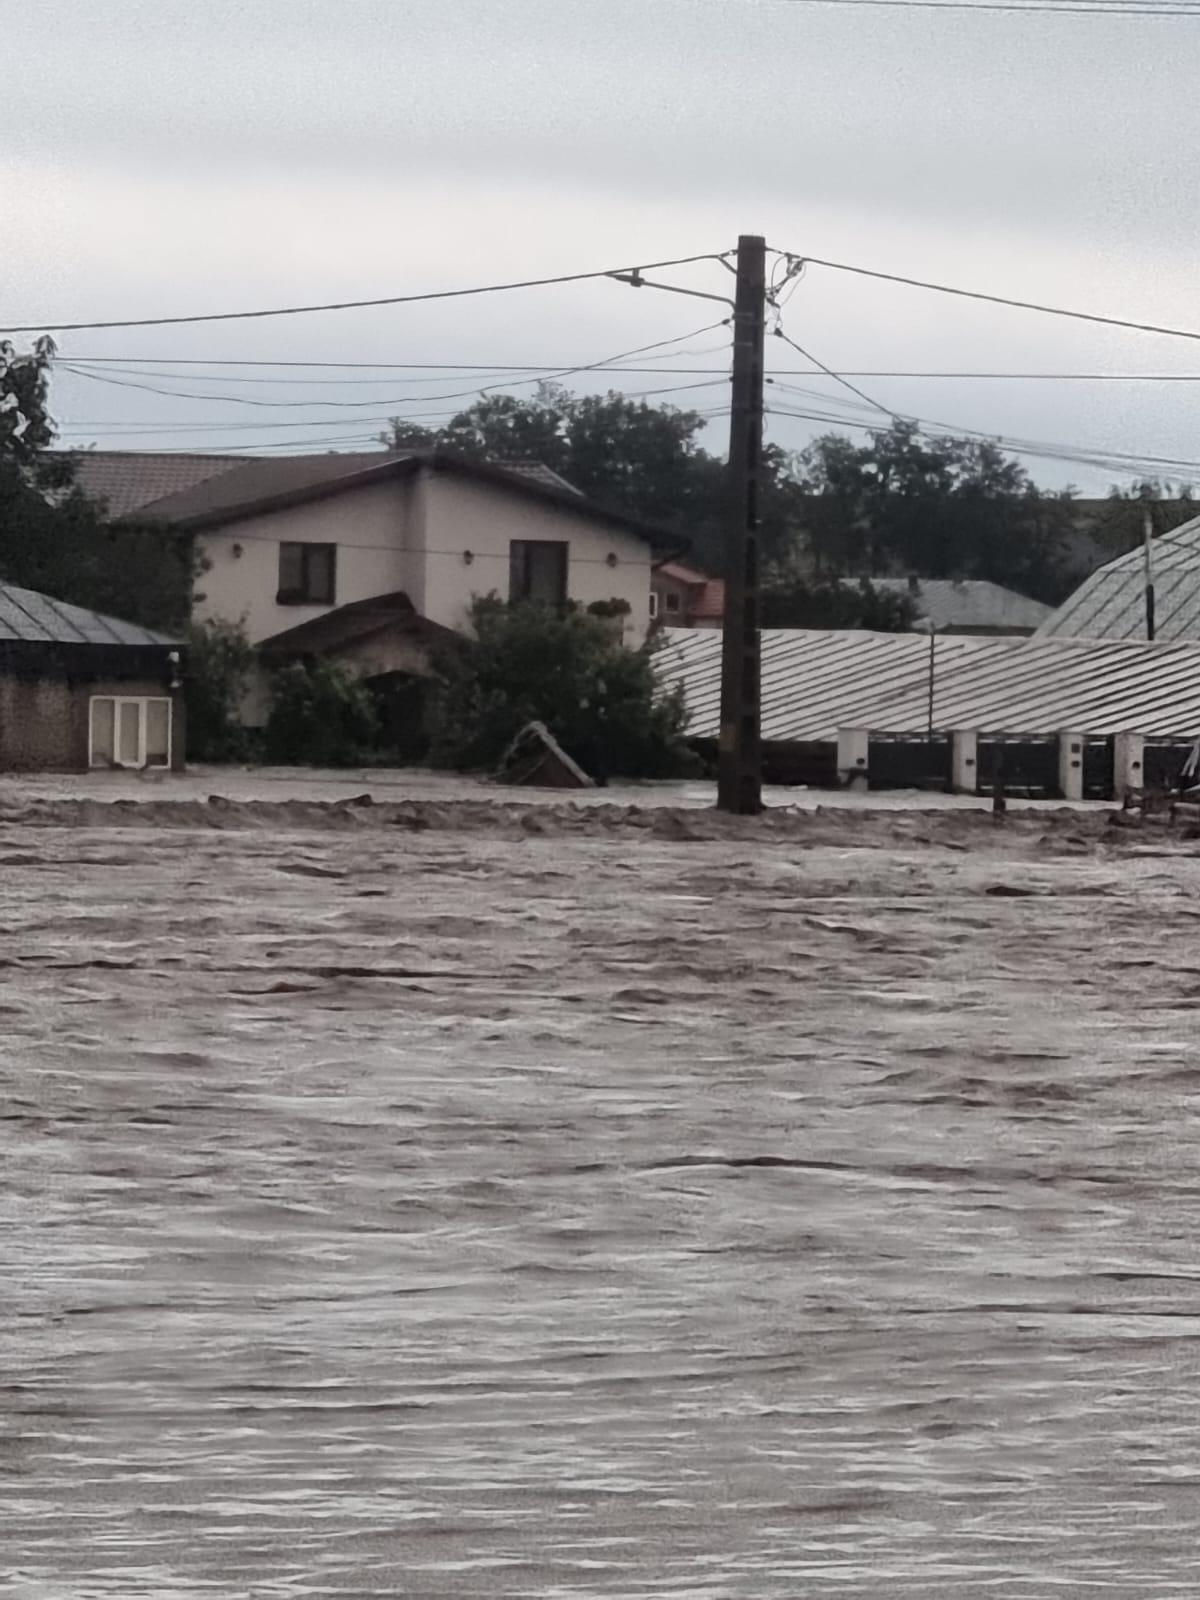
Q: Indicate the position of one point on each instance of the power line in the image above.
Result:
(546, 376)
(1114, 461)
(494, 369)
(1098, 8)
(829, 373)
(353, 305)
(977, 294)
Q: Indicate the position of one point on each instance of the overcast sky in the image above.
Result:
(163, 158)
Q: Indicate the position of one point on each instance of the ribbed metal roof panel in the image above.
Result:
(1111, 604)
(817, 682)
(35, 618)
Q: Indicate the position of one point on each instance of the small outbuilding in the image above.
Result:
(80, 690)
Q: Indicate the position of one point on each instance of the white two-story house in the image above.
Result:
(288, 540)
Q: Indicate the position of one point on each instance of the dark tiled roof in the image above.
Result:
(126, 480)
(350, 624)
(266, 479)
(36, 619)
(271, 484)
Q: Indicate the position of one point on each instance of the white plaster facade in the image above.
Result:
(439, 537)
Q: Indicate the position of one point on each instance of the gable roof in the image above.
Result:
(263, 484)
(1111, 604)
(351, 624)
(34, 618)
(126, 480)
(966, 602)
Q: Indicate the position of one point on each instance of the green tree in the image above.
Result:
(54, 539)
(942, 507)
(217, 672)
(320, 716)
(25, 426)
(529, 663)
(797, 602)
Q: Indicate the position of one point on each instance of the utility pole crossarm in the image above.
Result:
(739, 770)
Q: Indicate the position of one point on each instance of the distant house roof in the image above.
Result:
(271, 484)
(706, 602)
(34, 618)
(126, 480)
(967, 603)
(1111, 604)
(352, 624)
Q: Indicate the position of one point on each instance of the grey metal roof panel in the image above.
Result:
(1111, 603)
(814, 683)
(35, 618)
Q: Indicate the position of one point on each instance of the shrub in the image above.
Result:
(321, 716)
(529, 663)
(219, 662)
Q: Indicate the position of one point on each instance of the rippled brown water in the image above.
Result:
(519, 1215)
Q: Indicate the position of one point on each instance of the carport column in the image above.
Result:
(1070, 765)
(965, 768)
(853, 746)
(1128, 770)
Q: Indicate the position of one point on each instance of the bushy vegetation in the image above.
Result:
(321, 716)
(530, 663)
(217, 671)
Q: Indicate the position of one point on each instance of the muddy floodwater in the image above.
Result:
(404, 1205)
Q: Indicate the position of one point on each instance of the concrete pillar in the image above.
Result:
(1070, 765)
(1128, 766)
(853, 745)
(964, 772)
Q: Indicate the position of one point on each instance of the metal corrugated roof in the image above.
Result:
(36, 619)
(814, 683)
(1111, 604)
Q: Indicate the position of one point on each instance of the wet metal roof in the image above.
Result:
(817, 682)
(34, 618)
(1111, 604)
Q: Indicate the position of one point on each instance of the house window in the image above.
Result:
(307, 574)
(653, 604)
(129, 731)
(673, 603)
(537, 570)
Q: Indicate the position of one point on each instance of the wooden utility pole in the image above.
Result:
(1148, 560)
(739, 767)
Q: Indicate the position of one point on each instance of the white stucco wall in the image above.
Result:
(412, 535)
(460, 515)
(378, 535)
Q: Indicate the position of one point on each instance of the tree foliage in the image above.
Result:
(796, 602)
(530, 663)
(54, 539)
(321, 716)
(217, 671)
(942, 508)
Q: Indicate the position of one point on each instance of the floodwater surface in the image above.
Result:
(494, 1213)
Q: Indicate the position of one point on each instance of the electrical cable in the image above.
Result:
(977, 294)
(352, 305)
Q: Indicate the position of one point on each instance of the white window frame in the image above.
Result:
(654, 605)
(143, 702)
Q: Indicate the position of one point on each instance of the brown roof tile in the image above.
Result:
(127, 480)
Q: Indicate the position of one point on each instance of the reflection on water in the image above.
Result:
(452, 1214)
